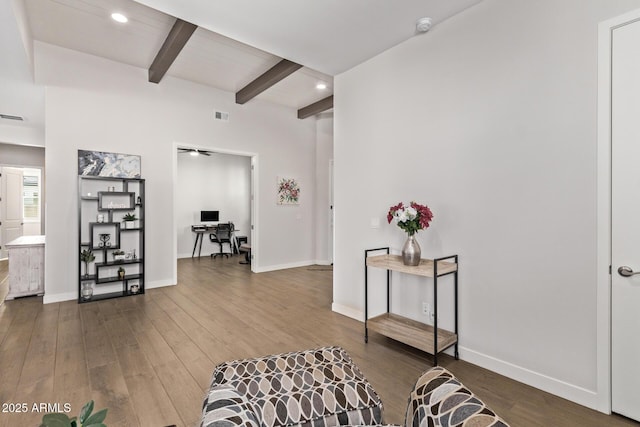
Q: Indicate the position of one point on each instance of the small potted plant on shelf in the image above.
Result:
(118, 255)
(87, 256)
(130, 220)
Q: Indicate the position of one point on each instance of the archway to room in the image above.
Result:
(218, 182)
(22, 195)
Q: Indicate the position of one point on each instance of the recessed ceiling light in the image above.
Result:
(194, 153)
(321, 86)
(118, 17)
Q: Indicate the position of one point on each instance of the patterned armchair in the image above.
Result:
(438, 399)
(313, 388)
(324, 388)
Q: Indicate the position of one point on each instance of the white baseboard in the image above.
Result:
(159, 284)
(275, 267)
(284, 266)
(204, 255)
(65, 296)
(579, 395)
(574, 393)
(348, 311)
(69, 296)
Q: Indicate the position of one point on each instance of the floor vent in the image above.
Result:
(10, 117)
(221, 115)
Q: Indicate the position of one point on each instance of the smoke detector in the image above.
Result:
(423, 25)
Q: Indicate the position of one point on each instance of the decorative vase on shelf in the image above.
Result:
(411, 219)
(411, 251)
(87, 291)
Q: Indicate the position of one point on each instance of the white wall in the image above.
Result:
(21, 155)
(96, 104)
(490, 119)
(22, 135)
(218, 182)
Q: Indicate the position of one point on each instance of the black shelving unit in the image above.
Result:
(110, 199)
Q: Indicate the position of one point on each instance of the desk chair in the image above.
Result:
(221, 236)
(234, 239)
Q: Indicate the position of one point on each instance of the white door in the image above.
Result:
(11, 210)
(625, 216)
(331, 210)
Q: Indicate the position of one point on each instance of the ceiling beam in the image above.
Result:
(276, 73)
(316, 107)
(177, 38)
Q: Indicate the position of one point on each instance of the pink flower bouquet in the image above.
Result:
(412, 218)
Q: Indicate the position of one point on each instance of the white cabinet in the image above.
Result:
(26, 266)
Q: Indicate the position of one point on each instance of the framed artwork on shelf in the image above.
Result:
(114, 165)
(288, 191)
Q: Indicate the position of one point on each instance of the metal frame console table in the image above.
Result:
(422, 336)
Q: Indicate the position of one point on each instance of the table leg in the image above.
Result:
(234, 244)
(195, 244)
(200, 247)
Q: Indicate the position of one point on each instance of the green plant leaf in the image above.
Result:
(57, 423)
(96, 418)
(56, 420)
(55, 416)
(95, 425)
(86, 411)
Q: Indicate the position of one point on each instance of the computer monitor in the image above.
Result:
(209, 216)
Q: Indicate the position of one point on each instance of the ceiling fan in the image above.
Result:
(195, 151)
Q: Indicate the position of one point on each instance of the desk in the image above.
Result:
(201, 229)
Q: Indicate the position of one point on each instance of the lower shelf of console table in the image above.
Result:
(422, 336)
(411, 332)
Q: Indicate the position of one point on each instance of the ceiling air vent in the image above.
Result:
(10, 117)
(221, 115)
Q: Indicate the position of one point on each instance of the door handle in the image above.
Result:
(625, 271)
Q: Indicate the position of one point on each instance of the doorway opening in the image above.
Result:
(219, 184)
(22, 200)
(21, 204)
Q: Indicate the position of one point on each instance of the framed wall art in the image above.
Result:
(115, 165)
(288, 191)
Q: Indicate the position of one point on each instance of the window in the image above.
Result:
(31, 195)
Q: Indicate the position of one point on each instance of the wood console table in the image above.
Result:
(425, 337)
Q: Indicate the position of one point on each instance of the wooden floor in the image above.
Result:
(149, 358)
